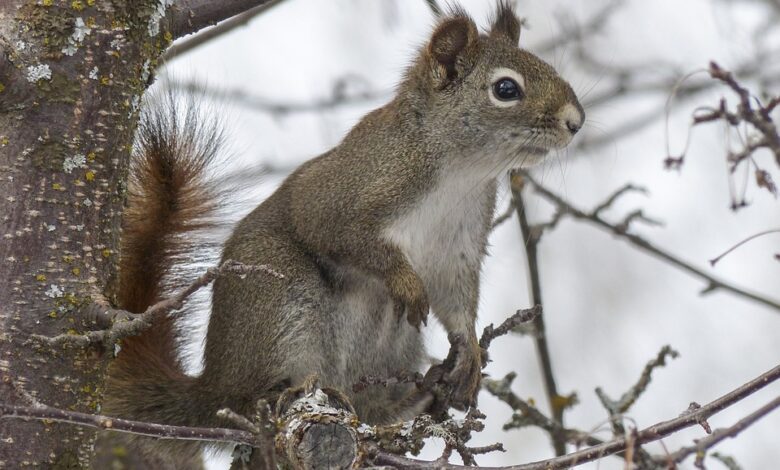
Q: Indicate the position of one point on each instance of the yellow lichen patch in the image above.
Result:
(4, 141)
(91, 22)
(67, 258)
(91, 156)
(57, 187)
(168, 37)
(40, 277)
(53, 314)
(2, 87)
(106, 252)
(119, 451)
(91, 3)
(76, 271)
(105, 81)
(89, 175)
(77, 5)
(47, 3)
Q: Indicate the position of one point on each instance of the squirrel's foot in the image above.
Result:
(336, 398)
(466, 376)
(408, 294)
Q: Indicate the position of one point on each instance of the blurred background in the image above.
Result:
(294, 80)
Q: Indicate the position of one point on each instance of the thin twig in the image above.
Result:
(616, 408)
(718, 435)
(188, 16)
(180, 48)
(713, 283)
(521, 316)
(130, 324)
(240, 97)
(658, 431)
(558, 403)
(716, 259)
(506, 215)
(578, 31)
(159, 431)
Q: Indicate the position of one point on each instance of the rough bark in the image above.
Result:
(71, 77)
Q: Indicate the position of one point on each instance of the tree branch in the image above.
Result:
(188, 16)
(339, 97)
(558, 403)
(693, 416)
(159, 431)
(130, 324)
(621, 231)
(702, 445)
(226, 26)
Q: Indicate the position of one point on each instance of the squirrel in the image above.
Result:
(390, 223)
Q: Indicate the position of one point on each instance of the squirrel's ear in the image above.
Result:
(506, 23)
(453, 46)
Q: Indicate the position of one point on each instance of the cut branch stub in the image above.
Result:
(315, 434)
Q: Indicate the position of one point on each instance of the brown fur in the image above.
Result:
(390, 222)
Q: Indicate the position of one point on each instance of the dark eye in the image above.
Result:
(507, 89)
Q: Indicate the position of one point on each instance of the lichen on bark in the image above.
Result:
(72, 74)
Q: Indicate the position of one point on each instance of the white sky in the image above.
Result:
(609, 308)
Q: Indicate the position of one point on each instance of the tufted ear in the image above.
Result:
(506, 23)
(453, 45)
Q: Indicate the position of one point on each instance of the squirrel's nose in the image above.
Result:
(571, 118)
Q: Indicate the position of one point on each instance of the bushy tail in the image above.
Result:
(172, 194)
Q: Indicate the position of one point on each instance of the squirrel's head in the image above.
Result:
(482, 92)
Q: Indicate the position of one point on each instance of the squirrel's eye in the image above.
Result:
(507, 89)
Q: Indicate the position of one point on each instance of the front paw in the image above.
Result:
(408, 294)
(466, 376)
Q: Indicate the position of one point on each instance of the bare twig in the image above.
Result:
(338, 98)
(506, 215)
(617, 195)
(159, 431)
(713, 283)
(130, 324)
(716, 259)
(401, 377)
(620, 444)
(757, 116)
(188, 16)
(526, 414)
(576, 31)
(751, 120)
(558, 403)
(702, 445)
(521, 316)
(228, 25)
(617, 408)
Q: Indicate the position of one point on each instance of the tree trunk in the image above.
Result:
(71, 77)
